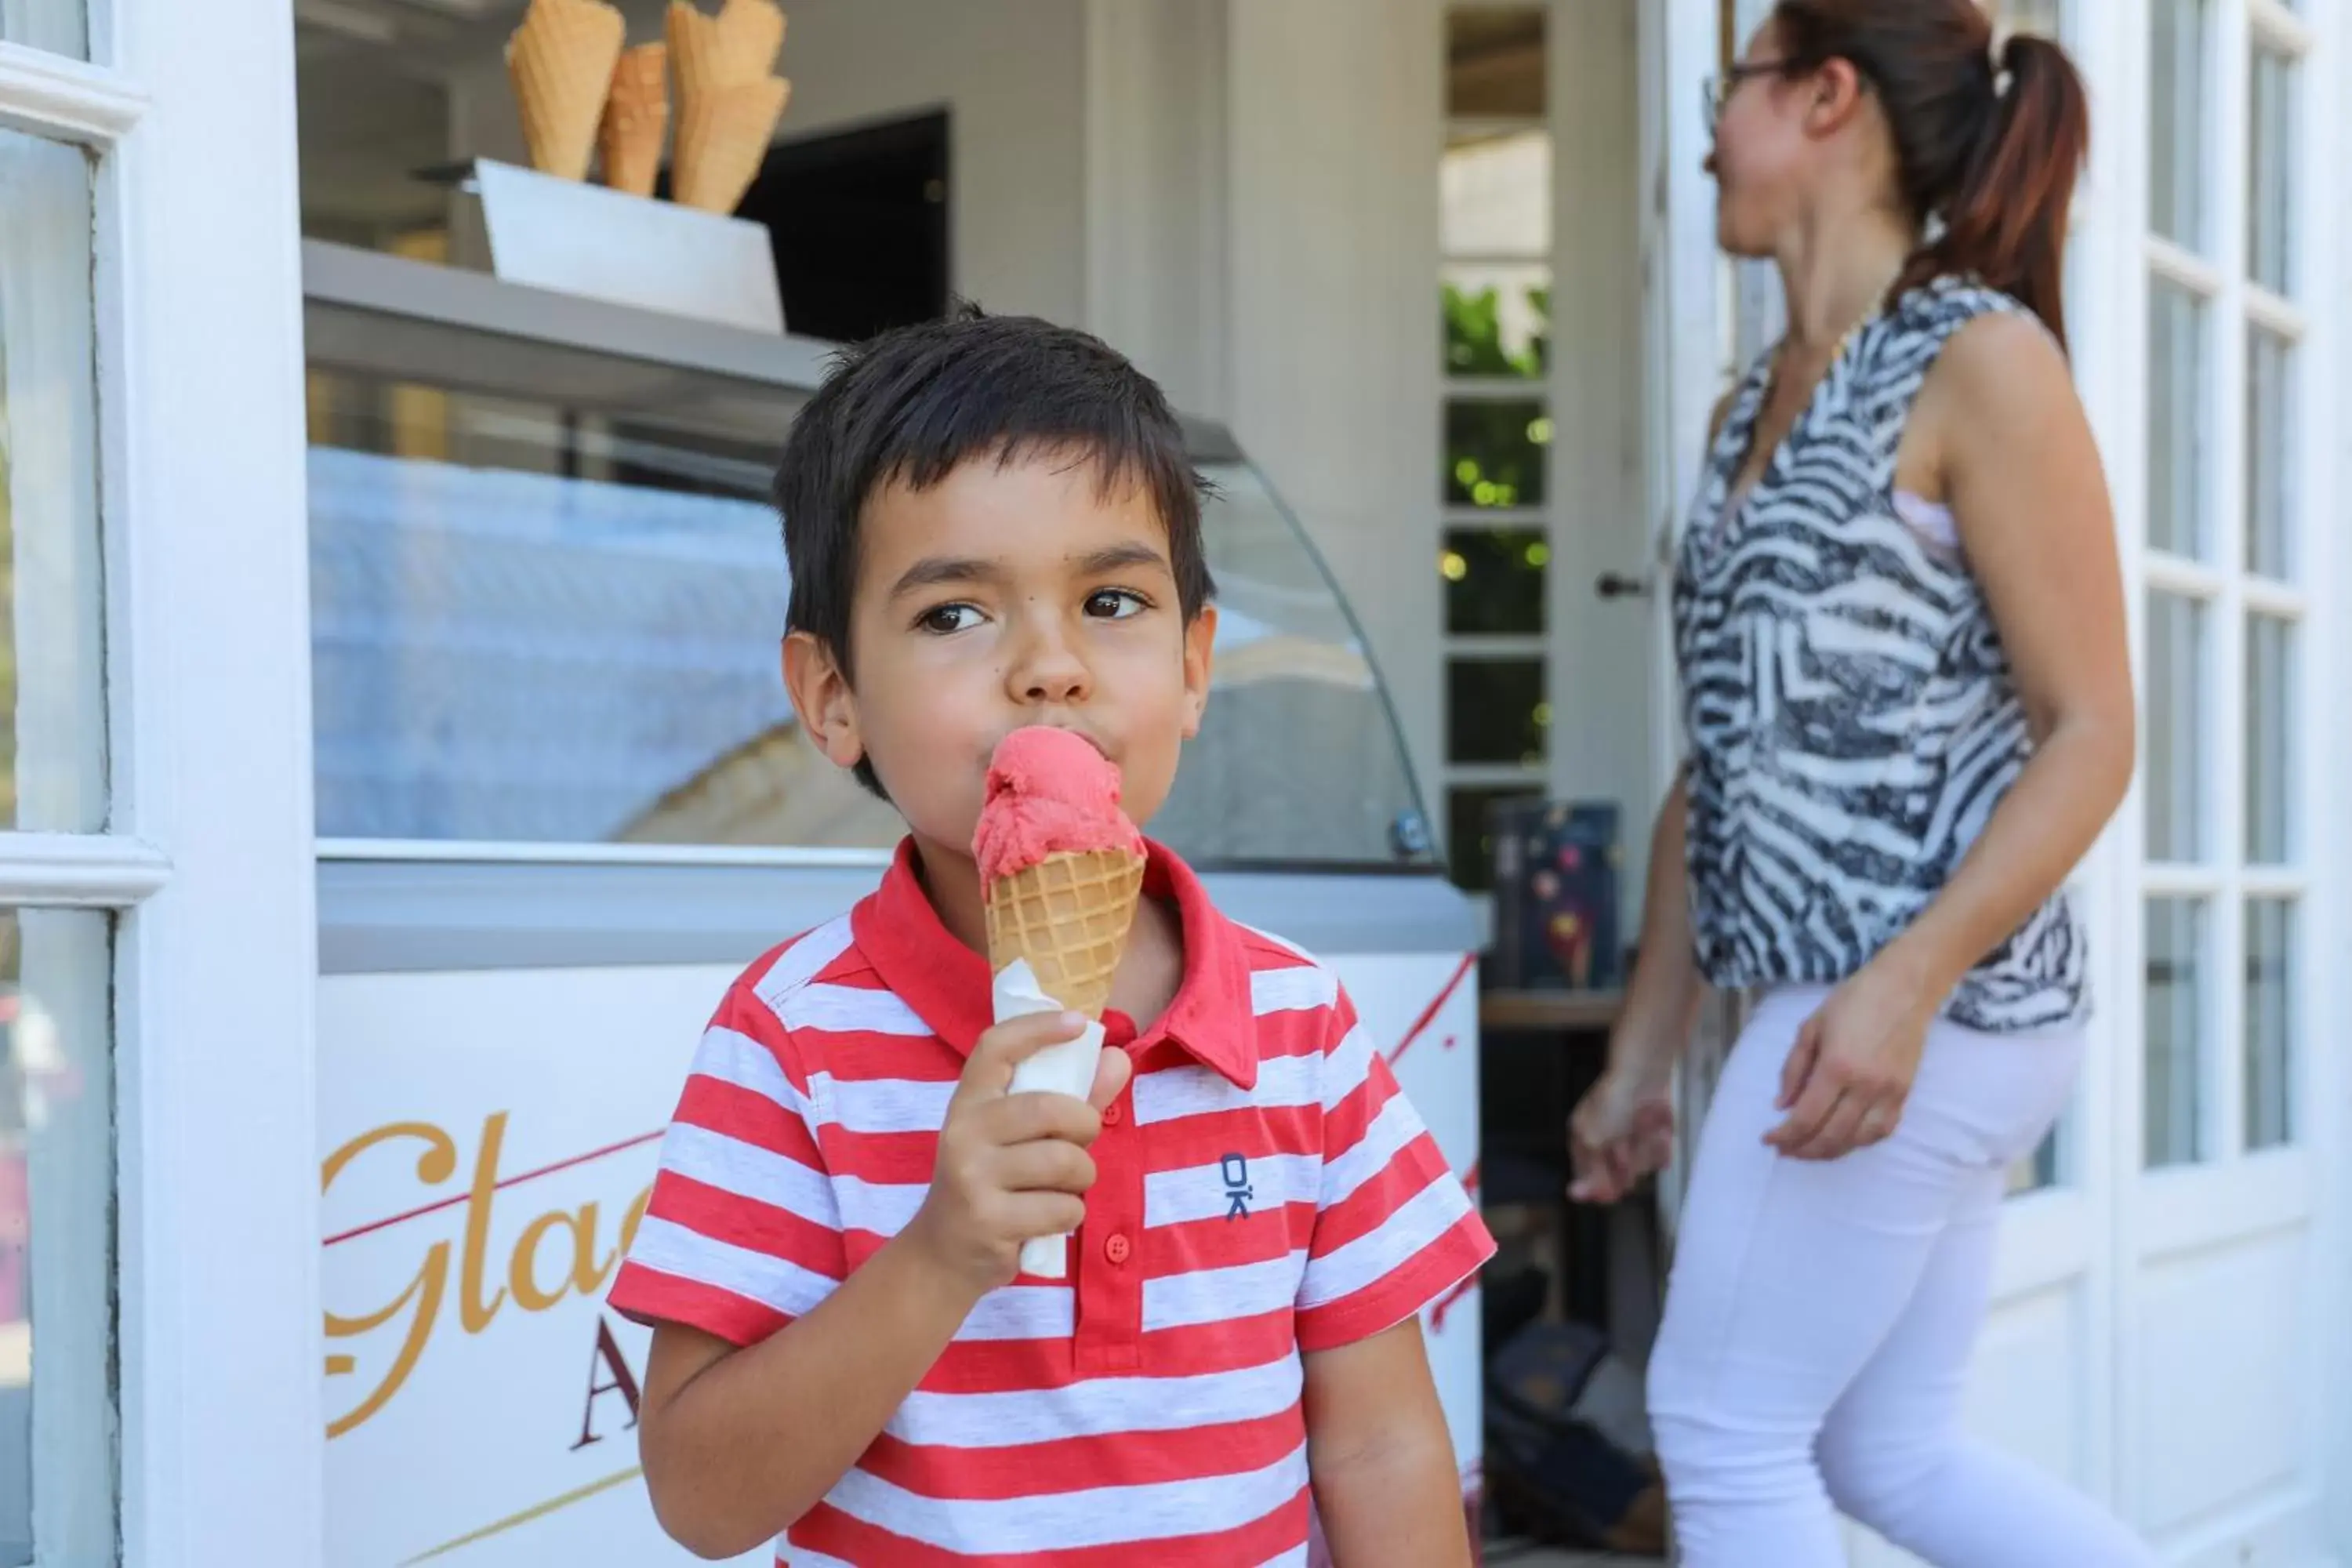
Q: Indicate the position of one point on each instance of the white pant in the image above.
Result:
(1820, 1318)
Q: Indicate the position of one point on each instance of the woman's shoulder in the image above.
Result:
(1949, 301)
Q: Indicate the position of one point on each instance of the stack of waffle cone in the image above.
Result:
(1068, 915)
(562, 61)
(636, 118)
(728, 102)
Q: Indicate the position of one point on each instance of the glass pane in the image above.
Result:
(1495, 194)
(2269, 448)
(1495, 710)
(2270, 1022)
(1496, 318)
(56, 1243)
(1495, 62)
(2270, 173)
(2176, 983)
(2176, 120)
(1298, 762)
(532, 622)
(1469, 832)
(1494, 581)
(2270, 739)
(2176, 421)
(1495, 451)
(536, 621)
(52, 693)
(2174, 729)
(60, 27)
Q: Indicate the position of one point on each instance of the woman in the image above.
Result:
(1900, 626)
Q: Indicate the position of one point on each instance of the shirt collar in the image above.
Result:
(946, 984)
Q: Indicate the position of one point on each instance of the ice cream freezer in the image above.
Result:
(561, 800)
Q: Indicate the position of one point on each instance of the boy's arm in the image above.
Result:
(1393, 1232)
(1386, 1482)
(739, 1444)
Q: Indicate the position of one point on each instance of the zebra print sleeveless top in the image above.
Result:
(1851, 717)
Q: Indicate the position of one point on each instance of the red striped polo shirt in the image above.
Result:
(1264, 1190)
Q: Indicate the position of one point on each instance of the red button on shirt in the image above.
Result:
(1113, 1114)
(1116, 1248)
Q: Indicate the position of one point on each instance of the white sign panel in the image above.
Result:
(490, 1137)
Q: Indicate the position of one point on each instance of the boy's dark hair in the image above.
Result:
(914, 403)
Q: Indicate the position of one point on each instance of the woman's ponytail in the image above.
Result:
(1993, 164)
(2007, 220)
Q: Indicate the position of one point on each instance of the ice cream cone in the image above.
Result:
(562, 61)
(724, 135)
(636, 117)
(695, 49)
(1068, 915)
(750, 35)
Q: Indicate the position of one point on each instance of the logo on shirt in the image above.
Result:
(1236, 1170)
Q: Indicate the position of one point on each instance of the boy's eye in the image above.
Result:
(1114, 603)
(946, 618)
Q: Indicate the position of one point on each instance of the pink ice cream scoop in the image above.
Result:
(1049, 793)
(1061, 867)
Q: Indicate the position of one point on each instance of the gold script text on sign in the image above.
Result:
(582, 1273)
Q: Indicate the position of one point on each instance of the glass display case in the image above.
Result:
(548, 589)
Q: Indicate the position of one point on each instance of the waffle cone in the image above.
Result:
(723, 136)
(735, 48)
(1068, 915)
(694, 49)
(636, 118)
(562, 61)
(751, 36)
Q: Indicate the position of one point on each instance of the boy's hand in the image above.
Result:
(1010, 1166)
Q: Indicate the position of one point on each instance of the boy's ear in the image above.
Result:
(820, 696)
(1200, 657)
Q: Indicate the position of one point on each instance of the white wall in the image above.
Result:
(1262, 237)
(1334, 125)
(1157, 233)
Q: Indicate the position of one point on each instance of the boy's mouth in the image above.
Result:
(1067, 730)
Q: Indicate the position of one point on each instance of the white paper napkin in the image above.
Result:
(1065, 1069)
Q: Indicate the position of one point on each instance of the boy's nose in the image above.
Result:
(1051, 671)
(1064, 682)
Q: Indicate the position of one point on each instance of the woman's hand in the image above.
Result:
(1622, 1130)
(1851, 1067)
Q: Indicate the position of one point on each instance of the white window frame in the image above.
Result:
(2169, 1214)
(2222, 880)
(2325, 476)
(188, 113)
(1534, 777)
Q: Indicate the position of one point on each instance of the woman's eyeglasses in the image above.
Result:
(1715, 91)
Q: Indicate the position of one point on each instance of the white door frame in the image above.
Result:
(190, 115)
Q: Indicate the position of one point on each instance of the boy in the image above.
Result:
(991, 523)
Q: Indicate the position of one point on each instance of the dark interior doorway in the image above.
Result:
(860, 222)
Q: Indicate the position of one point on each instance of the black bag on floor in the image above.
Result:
(1566, 1444)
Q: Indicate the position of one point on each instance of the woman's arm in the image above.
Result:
(1623, 1127)
(1665, 988)
(2027, 491)
(2015, 451)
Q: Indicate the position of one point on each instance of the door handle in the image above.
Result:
(1613, 585)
